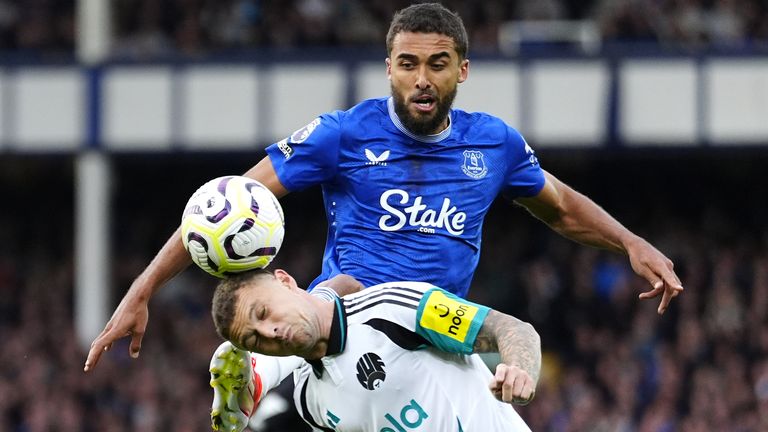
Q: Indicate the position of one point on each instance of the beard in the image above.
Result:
(423, 124)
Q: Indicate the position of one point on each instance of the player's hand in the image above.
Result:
(658, 270)
(130, 319)
(512, 385)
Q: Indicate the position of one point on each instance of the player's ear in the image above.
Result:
(388, 62)
(286, 279)
(463, 70)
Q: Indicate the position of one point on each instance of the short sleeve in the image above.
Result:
(448, 322)
(524, 177)
(310, 155)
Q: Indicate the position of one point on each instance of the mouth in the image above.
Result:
(424, 103)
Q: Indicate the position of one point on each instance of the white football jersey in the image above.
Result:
(399, 360)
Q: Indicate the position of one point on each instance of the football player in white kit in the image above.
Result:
(392, 357)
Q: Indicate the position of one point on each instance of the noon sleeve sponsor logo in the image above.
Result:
(417, 214)
(447, 316)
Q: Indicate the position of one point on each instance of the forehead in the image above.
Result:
(254, 293)
(240, 320)
(422, 44)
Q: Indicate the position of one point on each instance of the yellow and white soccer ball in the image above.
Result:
(232, 224)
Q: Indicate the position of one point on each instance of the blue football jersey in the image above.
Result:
(402, 206)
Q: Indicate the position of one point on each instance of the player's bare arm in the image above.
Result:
(131, 315)
(343, 284)
(519, 346)
(578, 218)
(264, 173)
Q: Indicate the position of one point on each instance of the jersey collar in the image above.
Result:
(337, 340)
(423, 138)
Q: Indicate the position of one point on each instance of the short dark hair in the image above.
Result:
(430, 18)
(225, 299)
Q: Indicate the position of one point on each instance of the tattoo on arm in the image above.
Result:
(516, 341)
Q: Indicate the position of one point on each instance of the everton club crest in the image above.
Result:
(474, 164)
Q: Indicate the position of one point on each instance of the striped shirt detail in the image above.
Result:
(399, 296)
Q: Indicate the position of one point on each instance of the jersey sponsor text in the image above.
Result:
(418, 215)
(411, 417)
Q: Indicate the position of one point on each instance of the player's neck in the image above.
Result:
(324, 315)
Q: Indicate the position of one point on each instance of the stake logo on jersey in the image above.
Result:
(449, 322)
(474, 164)
(418, 215)
(370, 371)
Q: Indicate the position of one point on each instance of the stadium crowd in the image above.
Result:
(610, 364)
(152, 29)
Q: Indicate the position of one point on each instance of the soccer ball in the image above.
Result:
(232, 224)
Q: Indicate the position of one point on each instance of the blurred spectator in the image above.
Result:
(156, 29)
(37, 27)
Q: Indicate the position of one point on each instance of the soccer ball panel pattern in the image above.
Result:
(232, 224)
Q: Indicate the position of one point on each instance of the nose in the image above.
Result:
(422, 80)
(267, 330)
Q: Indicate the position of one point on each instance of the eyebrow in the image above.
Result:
(433, 57)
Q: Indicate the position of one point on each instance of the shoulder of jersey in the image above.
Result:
(375, 104)
(410, 285)
(479, 123)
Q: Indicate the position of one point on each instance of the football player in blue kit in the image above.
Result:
(407, 181)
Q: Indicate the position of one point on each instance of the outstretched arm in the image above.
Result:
(578, 218)
(343, 284)
(519, 345)
(130, 317)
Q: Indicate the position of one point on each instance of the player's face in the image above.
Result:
(424, 71)
(272, 318)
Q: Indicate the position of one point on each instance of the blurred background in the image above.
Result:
(112, 112)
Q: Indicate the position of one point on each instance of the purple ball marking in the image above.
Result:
(254, 203)
(222, 186)
(247, 224)
(222, 189)
(264, 251)
(199, 239)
